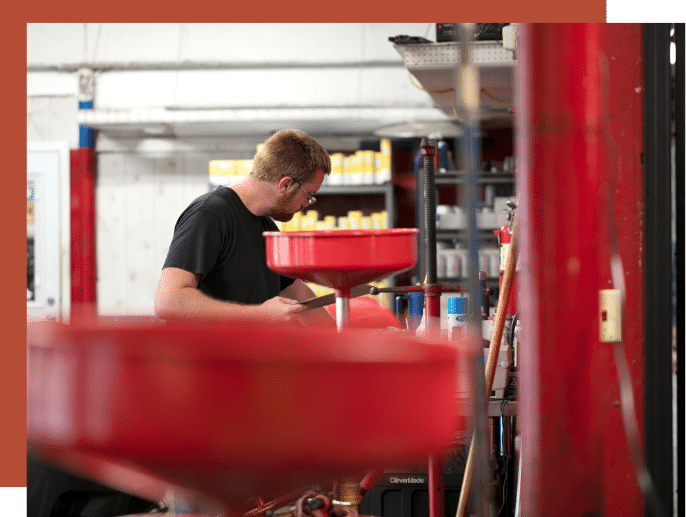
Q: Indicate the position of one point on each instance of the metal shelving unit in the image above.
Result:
(454, 179)
(446, 234)
(435, 66)
(490, 281)
(450, 178)
(385, 190)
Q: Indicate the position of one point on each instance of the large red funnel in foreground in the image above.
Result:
(342, 259)
(234, 410)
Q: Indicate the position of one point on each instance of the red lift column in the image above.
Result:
(82, 186)
(83, 260)
(558, 147)
(575, 456)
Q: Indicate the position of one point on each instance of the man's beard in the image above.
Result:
(278, 212)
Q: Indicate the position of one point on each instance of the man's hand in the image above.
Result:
(299, 290)
(281, 309)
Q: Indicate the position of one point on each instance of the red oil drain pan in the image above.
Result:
(235, 410)
(342, 259)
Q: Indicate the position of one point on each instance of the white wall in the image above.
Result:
(345, 55)
(138, 202)
(143, 185)
(52, 118)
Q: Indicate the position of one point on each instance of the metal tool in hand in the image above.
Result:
(328, 299)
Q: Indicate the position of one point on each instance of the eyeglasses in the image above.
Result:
(311, 200)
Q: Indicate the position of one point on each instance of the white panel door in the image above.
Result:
(47, 230)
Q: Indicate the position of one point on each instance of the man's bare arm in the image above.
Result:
(178, 298)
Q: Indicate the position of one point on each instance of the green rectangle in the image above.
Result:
(13, 502)
(642, 11)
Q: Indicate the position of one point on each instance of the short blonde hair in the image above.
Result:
(290, 153)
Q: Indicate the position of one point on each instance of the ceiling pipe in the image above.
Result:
(211, 65)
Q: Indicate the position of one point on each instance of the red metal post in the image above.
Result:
(623, 88)
(558, 150)
(573, 439)
(83, 258)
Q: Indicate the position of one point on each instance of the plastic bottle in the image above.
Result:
(457, 316)
(415, 309)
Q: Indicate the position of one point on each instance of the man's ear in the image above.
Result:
(284, 184)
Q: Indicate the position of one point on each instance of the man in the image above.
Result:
(216, 267)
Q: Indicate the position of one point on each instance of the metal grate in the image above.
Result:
(440, 55)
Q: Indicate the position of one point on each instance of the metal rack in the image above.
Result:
(451, 178)
(385, 190)
(435, 66)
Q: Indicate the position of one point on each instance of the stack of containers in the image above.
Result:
(353, 220)
(228, 172)
(361, 167)
(382, 168)
(452, 263)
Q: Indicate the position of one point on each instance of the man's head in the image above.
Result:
(290, 153)
(297, 164)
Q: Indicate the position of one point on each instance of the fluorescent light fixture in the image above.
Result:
(419, 129)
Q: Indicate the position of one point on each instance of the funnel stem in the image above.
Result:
(342, 312)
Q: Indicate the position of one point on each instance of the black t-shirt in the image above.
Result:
(218, 238)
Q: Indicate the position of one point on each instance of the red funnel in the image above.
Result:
(235, 410)
(342, 259)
